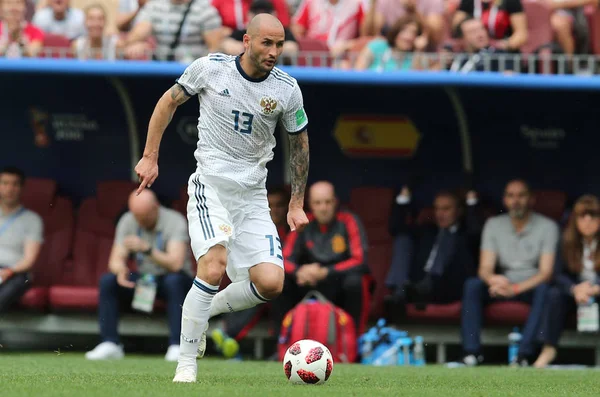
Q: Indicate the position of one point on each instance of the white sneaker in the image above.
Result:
(185, 374)
(106, 351)
(172, 353)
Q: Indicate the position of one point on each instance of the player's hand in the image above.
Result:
(297, 219)
(5, 274)
(123, 279)
(147, 172)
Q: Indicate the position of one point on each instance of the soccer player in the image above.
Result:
(242, 98)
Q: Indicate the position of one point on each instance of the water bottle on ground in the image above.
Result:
(419, 351)
(514, 339)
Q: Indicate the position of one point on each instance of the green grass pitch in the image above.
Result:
(69, 374)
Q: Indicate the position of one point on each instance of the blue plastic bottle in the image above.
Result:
(419, 351)
(514, 339)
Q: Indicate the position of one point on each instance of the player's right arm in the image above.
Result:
(191, 82)
(147, 168)
(117, 262)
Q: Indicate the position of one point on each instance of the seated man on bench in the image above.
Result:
(516, 263)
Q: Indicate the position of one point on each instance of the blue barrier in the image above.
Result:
(310, 74)
(81, 121)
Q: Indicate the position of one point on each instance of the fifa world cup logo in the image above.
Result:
(39, 121)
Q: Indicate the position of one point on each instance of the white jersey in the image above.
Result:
(239, 115)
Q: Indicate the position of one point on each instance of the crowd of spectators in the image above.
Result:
(459, 252)
(380, 35)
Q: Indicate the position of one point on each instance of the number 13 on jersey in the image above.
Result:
(272, 245)
(243, 118)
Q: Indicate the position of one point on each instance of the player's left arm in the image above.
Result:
(31, 247)
(295, 122)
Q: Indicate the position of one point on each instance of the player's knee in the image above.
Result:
(211, 267)
(269, 285)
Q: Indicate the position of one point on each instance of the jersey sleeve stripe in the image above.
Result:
(183, 88)
(284, 80)
(299, 131)
(283, 75)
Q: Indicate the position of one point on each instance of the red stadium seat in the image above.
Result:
(435, 314)
(551, 203)
(539, 31)
(426, 216)
(373, 206)
(94, 233)
(593, 17)
(313, 53)
(39, 195)
(180, 204)
(506, 313)
(380, 258)
(56, 46)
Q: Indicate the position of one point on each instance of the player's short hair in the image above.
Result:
(399, 26)
(262, 7)
(10, 170)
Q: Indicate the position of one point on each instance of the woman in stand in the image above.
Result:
(96, 44)
(576, 273)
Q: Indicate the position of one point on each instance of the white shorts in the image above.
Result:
(220, 211)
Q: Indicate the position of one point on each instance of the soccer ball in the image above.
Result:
(307, 362)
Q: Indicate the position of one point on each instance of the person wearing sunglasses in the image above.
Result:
(576, 273)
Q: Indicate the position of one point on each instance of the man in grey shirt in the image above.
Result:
(61, 19)
(516, 263)
(21, 236)
(157, 238)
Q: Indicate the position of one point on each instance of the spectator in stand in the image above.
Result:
(157, 238)
(570, 24)
(233, 44)
(577, 273)
(128, 12)
(383, 14)
(481, 55)
(516, 264)
(18, 38)
(335, 22)
(235, 13)
(400, 50)
(279, 198)
(96, 44)
(198, 24)
(61, 19)
(431, 262)
(21, 237)
(504, 20)
(329, 256)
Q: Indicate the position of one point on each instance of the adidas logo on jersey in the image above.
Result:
(225, 92)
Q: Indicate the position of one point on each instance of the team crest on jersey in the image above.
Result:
(338, 244)
(268, 105)
(225, 229)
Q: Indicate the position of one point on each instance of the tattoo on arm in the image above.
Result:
(299, 162)
(178, 94)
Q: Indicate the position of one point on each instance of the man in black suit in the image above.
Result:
(431, 261)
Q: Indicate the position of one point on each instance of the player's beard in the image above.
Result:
(256, 61)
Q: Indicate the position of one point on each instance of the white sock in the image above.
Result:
(237, 296)
(194, 319)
